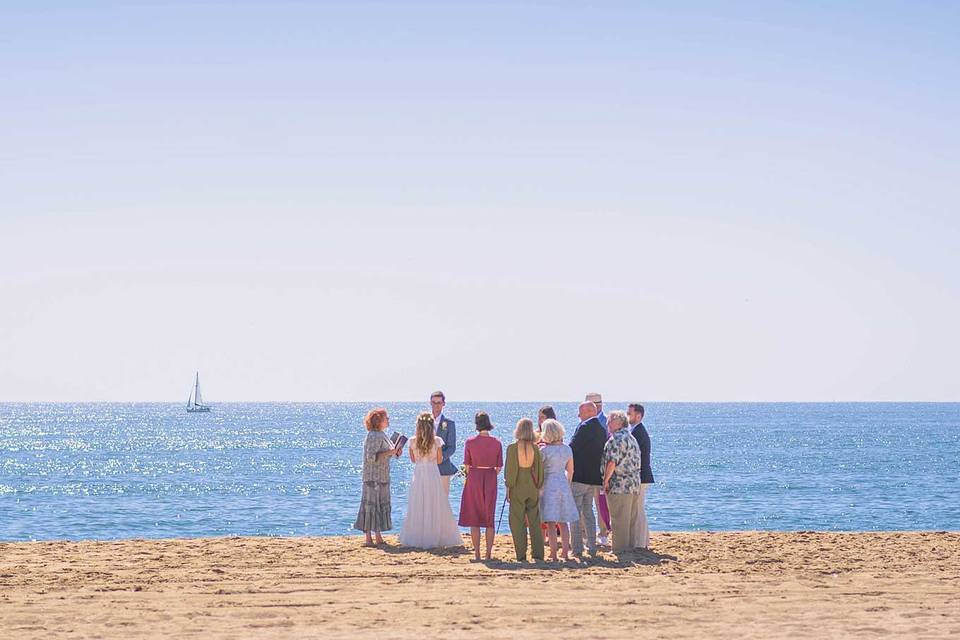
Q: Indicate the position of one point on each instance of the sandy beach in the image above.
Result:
(692, 585)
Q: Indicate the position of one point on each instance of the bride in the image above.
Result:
(429, 522)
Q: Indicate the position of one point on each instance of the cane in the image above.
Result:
(501, 515)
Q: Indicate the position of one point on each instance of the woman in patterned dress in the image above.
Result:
(557, 506)
(374, 514)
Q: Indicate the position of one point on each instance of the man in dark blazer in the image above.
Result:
(587, 445)
(446, 430)
(635, 413)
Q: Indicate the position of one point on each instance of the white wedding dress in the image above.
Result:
(429, 522)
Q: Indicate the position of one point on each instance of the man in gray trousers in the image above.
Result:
(587, 445)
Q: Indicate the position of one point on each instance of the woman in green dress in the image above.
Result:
(524, 477)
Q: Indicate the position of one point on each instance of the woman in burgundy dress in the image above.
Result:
(482, 461)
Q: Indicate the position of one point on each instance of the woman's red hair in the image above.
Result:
(375, 419)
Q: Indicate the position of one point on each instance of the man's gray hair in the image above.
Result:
(620, 416)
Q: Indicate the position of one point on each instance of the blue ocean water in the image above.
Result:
(103, 471)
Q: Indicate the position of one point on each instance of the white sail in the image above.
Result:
(197, 398)
(195, 401)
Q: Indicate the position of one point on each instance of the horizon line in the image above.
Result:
(383, 401)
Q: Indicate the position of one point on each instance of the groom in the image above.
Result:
(446, 430)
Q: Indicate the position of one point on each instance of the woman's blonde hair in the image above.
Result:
(524, 431)
(552, 431)
(424, 438)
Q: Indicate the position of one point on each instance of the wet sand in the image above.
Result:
(691, 585)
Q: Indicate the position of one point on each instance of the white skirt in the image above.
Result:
(429, 522)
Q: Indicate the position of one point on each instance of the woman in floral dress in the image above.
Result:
(374, 514)
(557, 506)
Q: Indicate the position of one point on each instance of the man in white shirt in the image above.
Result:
(446, 430)
(635, 415)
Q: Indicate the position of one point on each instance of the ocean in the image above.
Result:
(108, 471)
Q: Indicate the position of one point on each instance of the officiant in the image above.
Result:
(374, 514)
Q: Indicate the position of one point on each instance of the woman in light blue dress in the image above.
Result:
(556, 498)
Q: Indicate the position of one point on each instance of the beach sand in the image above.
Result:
(692, 585)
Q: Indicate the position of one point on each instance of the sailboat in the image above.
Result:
(195, 401)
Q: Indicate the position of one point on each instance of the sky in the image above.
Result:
(660, 201)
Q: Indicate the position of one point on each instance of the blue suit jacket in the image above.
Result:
(447, 431)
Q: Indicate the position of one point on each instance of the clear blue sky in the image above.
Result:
(310, 201)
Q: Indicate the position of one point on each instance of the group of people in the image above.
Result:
(552, 487)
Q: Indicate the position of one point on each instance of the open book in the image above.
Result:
(398, 441)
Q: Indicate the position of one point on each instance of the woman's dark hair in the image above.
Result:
(483, 421)
(547, 412)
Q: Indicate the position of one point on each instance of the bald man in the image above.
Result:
(601, 502)
(587, 445)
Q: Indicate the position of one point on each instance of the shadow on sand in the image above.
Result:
(636, 558)
(632, 559)
(447, 552)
